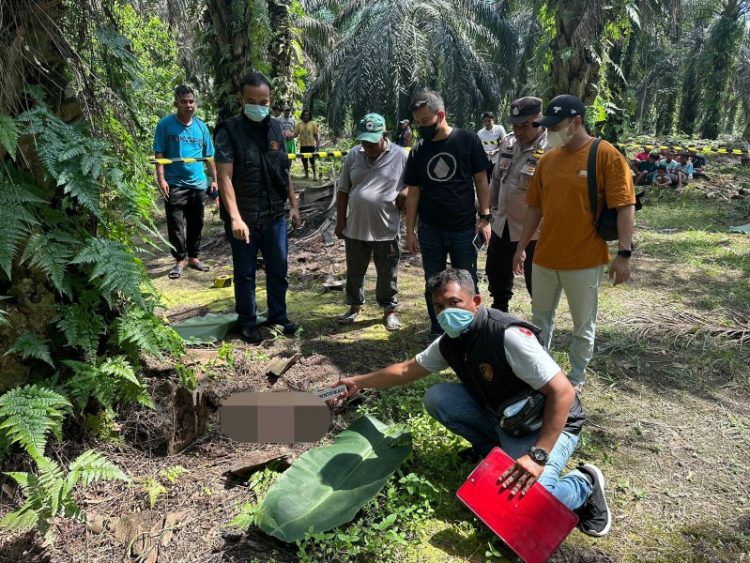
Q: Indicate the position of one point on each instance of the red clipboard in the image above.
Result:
(533, 526)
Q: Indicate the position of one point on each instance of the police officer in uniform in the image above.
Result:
(518, 154)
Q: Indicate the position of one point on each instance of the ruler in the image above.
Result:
(326, 394)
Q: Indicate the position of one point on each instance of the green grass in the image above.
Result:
(668, 420)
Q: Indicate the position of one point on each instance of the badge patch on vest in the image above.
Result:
(275, 145)
(486, 371)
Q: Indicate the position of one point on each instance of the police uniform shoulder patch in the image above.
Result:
(486, 371)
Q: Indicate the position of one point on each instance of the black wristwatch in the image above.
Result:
(539, 455)
(625, 253)
(487, 216)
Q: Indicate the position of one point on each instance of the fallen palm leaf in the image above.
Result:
(689, 325)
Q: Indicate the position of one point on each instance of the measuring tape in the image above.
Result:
(326, 394)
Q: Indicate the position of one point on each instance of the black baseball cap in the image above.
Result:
(523, 108)
(559, 108)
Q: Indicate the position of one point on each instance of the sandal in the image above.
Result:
(200, 266)
(175, 272)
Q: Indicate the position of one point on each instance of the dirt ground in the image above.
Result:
(668, 416)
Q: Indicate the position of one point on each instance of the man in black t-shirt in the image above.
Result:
(440, 174)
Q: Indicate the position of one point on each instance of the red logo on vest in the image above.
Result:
(275, 145)
(486, 371)
(526, 332)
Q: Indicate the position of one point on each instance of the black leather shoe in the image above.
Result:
(251, 335)
(288, 327)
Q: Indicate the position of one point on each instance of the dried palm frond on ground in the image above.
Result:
(686, 326)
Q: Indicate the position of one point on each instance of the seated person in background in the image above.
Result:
(699, 163)
(662, 178)
(646, 169)
(497, 356)
(669, 162)
(684, 170)
(640, 157)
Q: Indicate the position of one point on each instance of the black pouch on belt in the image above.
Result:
(522, 414)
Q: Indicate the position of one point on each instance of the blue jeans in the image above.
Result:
(271, 241)
(436, 245)
(452, 405)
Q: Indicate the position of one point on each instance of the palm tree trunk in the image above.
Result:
(721, 48)
(575, 69)
(690, 90)
(281, 50)
(228, 38)
(25, 40)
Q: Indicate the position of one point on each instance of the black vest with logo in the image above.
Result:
(260, 191)
(478, 358)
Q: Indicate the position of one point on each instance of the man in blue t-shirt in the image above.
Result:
(441, 173)
(184, 185)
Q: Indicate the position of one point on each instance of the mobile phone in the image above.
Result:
(478, 241)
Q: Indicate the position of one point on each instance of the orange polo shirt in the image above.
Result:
(568, 239)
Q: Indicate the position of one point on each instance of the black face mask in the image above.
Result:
(428, 132)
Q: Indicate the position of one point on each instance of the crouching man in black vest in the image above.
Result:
(498, 358)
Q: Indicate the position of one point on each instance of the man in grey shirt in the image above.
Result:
(370, 182)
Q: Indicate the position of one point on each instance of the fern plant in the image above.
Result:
(137, 331)
(49, 493)
(110, 383)
(30, 345)
(28, 414)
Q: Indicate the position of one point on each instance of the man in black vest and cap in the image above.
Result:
(253, 170)
(498, 358)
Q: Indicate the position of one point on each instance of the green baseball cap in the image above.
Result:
(371, 128)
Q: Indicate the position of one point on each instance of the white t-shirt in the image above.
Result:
(491, 139)
(529, 360)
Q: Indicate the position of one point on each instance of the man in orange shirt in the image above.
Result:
(570, 255)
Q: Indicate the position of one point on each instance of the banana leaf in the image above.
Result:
(209, 328)
(326, 487)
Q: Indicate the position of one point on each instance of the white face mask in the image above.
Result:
(559, 138)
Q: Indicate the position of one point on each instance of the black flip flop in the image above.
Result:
(175, 272)
(200, 266)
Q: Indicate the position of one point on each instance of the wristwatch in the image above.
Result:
(539, 455)
(486, 216)
(625, 253)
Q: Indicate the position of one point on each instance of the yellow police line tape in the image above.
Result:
(292, 156)
(706, 150)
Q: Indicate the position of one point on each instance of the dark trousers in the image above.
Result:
(385, 254)
(184, 209)
(436, 245)
(271, 241)
(500, 268)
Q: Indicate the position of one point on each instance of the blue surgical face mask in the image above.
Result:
(255, 112)
(455, 321)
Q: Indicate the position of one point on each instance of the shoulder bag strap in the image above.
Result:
(591, 176)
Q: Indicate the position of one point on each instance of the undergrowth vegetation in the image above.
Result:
(77, 309)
